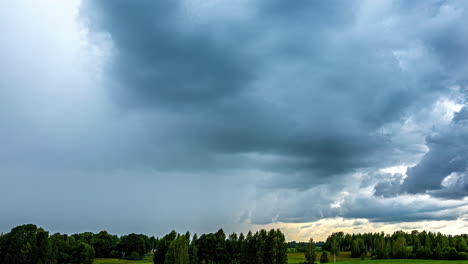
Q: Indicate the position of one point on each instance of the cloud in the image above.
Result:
(297, 105)
(447, 155)
(286, 96)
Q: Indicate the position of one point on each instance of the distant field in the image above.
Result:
(147, 260)
(295, 258)
(345, 258)
(404, 261)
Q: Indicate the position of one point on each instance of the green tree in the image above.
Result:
(47, 254)
(22, 245)
(324, 257)
(178, 252)
(61, 247)
(310, 253)
(459, 243)
(220, 250)
(399, 250)
(103, 243)
(4, 243)
(233, 249)
(334, 247)
(206, 248)
(387, 250)
(134, 256)
(260, 245)
(132, 243)
(355, 250)
(163, 246)
(282, 248)
(82, 253)
(437, 252)
(193, 250)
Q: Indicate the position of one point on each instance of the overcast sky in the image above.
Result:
(312, 116)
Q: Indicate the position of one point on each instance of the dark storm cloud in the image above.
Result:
(262, 83)
(286, 104)
(448, 154)
(301, 91)
(162, 61)
(390, 187)
(394, 210)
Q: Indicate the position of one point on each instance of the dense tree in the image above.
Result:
(61, 247)
(437, 252)
(310, 253)
(132, 243)
(29, 244)
(153, 243)
(82, 253)
(26, 244)
(233, 249)
(282, 248)
(178, 252)
(399, 250)
(4, 244)
(334, 247)
(220, 249)
(103, 243)
(355, 250)
(207, 248)
(459, 243)
(193, 250)
(163, 246)
(324, 257)
(358, 248)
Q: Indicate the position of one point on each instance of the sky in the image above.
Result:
(309, 116)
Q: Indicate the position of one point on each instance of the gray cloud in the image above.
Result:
(236, 97)
(286, 101)
(390, 187)
(448, 154)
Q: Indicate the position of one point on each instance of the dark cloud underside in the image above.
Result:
(288, 101)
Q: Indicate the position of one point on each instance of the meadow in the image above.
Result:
(345, 258)
(296, 258)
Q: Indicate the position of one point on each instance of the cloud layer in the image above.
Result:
(300, 105)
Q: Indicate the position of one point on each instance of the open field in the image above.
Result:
(404, 261)
(299, 257)
(146, 260)
(295, 258)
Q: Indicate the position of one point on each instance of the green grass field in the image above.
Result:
(146, 260)
(404, 261)
(295, 258)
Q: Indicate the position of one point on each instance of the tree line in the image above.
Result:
(400, 245)
(28, 244)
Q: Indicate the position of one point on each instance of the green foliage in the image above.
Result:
(324, 257)
(193, 250)
(163, 246)
(103, 243)
(399, 250)
(355, 250)
(114, 254)
(310, 253)
(178, 252)
(82, 253)
(134, 256)
(132, 243)
(29, 244)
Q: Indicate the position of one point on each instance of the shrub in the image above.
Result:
(114, 254)
(134, 256)
(324, 257)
